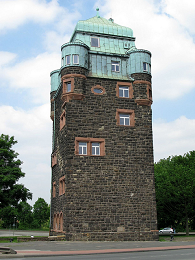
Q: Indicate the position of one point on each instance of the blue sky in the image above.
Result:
(31, 34)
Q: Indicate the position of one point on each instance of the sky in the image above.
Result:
(31, 34)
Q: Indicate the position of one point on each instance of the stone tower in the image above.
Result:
(102, 155)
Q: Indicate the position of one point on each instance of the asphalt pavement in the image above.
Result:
(17, 233)
(60, 248)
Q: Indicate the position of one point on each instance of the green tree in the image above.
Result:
(11, 192)
(41, 213)
(175, 190)
(24, 215)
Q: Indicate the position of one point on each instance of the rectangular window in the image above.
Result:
(146, 67)
(115, 66)
(89, 146)
(95, 148)
(62, 63)
(67, 59)
(123, 91)
(149, 68)
(95, 42)
(75, 59)
(68, 87)
(83, 148)
(124, 119)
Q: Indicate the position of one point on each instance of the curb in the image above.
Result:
(36, 253)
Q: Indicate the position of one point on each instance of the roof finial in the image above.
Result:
(97, 9)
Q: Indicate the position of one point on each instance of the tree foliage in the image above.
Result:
(175, 190)
(11, 192)
(41, 212)
(24, 215)
(35, 217)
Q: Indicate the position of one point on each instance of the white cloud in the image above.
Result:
(183, 11)
(54, 40)
(32, 74)
(173, 138)
(14, 13)
(6, 58)
(63, 29)
(32, 130)
(172, 47)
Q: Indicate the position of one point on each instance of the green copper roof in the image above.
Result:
(101, 25)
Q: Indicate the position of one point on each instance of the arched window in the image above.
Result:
(61, 222)
(54, 222)
(58, 221)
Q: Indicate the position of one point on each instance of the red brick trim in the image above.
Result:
(54, 189)
(69, 96)
(73, 76)
(62, 185)
(63, 105)
(99, 87)
(141, 82)
(53, 159)
(143, 102)
(148, 101)
(128, 112)
(149, 92)
(58, 221)
(128, 84)
(52, 115)
(71, 80)
(62, 120)
(89, 148)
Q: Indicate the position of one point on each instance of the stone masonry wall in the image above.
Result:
(109, 197)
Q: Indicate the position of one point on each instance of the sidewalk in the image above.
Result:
(59, 248)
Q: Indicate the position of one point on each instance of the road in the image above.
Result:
(11, 232)
(183, 254)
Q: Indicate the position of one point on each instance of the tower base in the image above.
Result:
(112, 236)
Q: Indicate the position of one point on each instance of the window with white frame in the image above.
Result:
(83, 148)
(115, 66)
(67, 59)
(149, 68)
(75, 58)
(146, 67)
(95, 42)
(89, 146)
(124, 119)
(124, 91)
(95, 148)
(62, 62)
